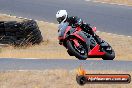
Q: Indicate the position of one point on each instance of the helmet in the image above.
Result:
(61, 16)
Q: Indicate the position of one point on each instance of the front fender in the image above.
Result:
(104, 43)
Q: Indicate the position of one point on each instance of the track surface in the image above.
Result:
(108, 18)
(42, 64)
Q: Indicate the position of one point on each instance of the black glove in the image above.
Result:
(79, 22)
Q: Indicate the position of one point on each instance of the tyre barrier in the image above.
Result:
(20, 33)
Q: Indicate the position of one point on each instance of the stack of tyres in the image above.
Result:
(20, 33)
(2, 28)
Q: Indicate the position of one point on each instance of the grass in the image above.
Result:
(52, 79)
(50, 49)
(123, 2)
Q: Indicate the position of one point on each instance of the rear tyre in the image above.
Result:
(70, 53)
(81, 55)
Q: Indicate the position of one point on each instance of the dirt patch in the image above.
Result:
(52, 79)
(50, 49)
(123, 2)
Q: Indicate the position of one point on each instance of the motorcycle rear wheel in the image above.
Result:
(72, 48)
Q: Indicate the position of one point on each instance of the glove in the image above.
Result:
(79, 23)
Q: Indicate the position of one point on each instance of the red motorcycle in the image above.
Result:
(82, 45)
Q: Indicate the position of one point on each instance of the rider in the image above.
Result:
(74, 21)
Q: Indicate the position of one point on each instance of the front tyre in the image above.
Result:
(79, 52)
(109, 52)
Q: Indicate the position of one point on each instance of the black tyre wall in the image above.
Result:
(20, 33)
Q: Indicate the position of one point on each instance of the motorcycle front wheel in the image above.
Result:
(109, 52)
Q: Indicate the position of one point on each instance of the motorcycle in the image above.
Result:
(82, 45)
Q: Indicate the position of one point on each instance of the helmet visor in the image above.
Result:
(60, 19)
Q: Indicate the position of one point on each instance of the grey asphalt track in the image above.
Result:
(107, 18)
(43, 64)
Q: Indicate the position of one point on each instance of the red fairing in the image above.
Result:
(95, 51)
(60, 38)
(76, 42)
(94, 29)
(78, 29)
(75, 34)
(68, 28)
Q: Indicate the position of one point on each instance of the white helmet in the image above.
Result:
(61, 16)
